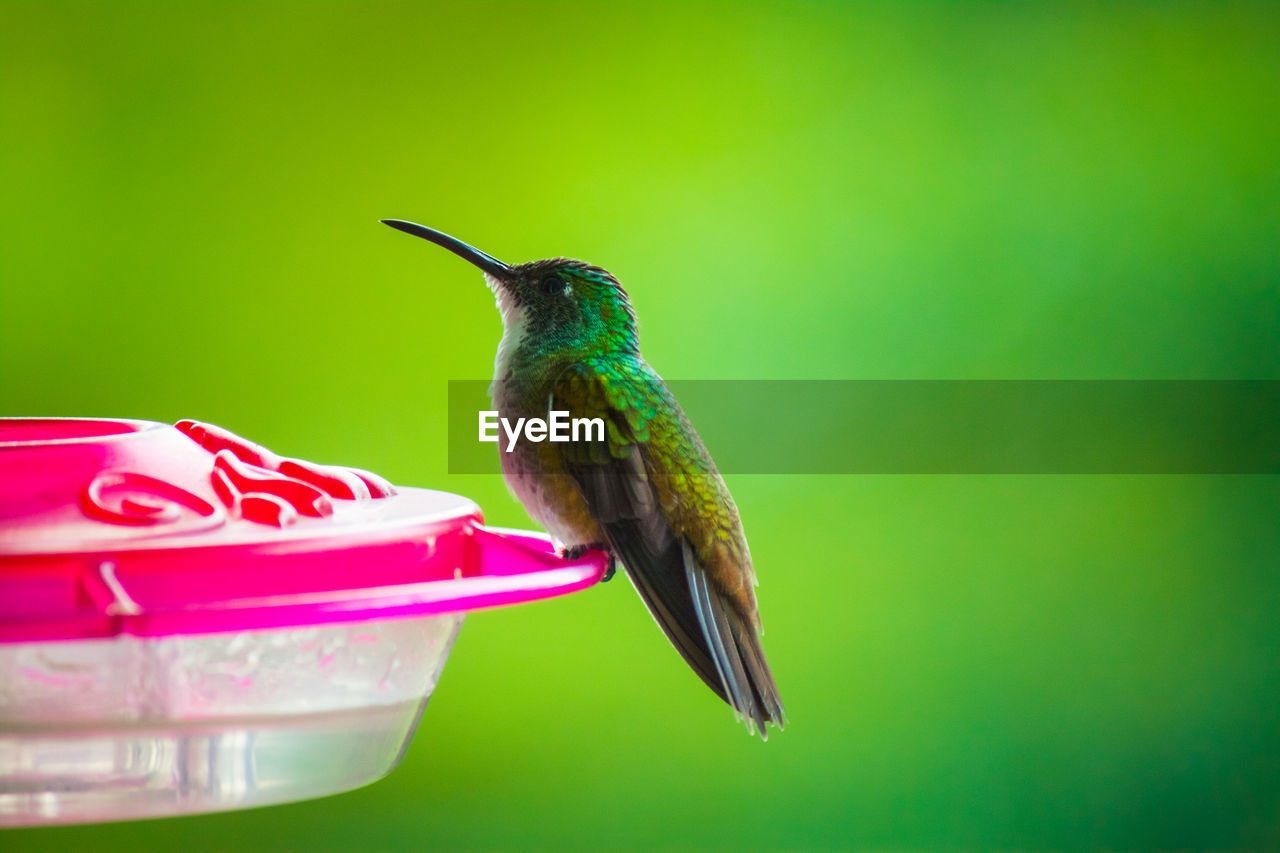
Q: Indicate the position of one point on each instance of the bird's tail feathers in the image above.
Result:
(747, 683)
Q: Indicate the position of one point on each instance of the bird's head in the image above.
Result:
(558, 305)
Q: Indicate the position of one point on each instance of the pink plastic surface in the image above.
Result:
(122, 526)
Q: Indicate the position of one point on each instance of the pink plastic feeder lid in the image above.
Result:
(122, 526)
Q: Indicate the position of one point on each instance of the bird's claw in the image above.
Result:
(575, 552)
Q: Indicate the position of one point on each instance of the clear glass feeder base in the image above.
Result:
(125, 728)
(85, 778)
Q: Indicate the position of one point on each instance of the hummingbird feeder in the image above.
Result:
(190, 623)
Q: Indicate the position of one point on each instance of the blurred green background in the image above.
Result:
(189, 196)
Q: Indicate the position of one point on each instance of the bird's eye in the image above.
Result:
(552, 284)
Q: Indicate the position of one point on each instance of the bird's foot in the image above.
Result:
(573, 552)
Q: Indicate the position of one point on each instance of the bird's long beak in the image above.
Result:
(488, 263)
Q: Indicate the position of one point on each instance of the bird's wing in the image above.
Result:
(668, 517)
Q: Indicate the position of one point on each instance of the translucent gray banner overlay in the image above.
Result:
(952, 427)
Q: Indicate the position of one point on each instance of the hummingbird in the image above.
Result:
(648, 493)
